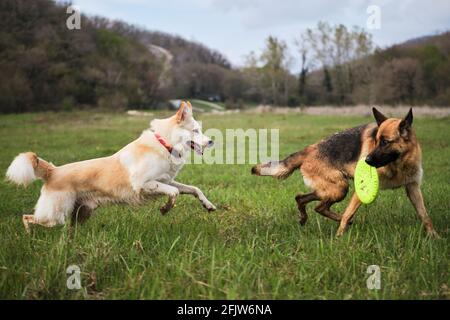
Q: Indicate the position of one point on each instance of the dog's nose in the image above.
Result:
(369, 160)
(210, 143)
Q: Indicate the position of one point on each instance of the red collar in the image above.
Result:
(165, 144)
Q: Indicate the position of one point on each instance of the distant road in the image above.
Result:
(199, 105)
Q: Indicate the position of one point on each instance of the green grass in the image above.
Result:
(251, 247)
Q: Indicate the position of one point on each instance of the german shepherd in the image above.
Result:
(390, 145)
(146, 166)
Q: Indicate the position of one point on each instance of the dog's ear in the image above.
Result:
(379, 117)
(406, 123)
(183, 112)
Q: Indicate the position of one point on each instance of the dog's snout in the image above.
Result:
(373, 161)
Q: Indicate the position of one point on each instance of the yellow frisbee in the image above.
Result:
(366, 182)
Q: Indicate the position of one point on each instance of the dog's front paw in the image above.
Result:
(165, 209)
(340, 232)
(209, 206)
(433, 234)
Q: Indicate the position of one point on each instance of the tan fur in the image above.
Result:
(43, 169)
(143, 168)
(106, 177)
(398, 174)
(406, 171)
(180, 113)
(330, 182)
(140, 150)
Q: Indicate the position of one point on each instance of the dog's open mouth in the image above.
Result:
(196, 147)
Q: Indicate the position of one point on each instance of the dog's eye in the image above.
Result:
(383, 142)
(195, 131)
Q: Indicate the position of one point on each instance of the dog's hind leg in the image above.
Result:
(81, 213)
(51, 209)
(27, 219)
(324, 209)
(302, 201)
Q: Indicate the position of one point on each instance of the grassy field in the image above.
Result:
(252, 247)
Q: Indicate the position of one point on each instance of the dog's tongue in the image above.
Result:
(198, 149)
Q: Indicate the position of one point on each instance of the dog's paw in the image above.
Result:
(340, 232)
(302, 220)
(209, 206)
(433, 234)
(164, 209)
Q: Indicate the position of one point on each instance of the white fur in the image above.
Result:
(274, 169)
(53, 207)
(308, 182)
(270, 170)
(148, 172)
(21, 171)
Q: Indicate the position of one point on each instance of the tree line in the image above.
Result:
(341, 66)
(115, 65)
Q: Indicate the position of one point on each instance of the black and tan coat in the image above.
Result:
(327, 166)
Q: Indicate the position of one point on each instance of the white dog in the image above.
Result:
(146, 166)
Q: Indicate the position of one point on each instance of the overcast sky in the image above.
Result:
(236, 27)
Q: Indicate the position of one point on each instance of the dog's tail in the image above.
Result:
(27, 167)
(280, 169)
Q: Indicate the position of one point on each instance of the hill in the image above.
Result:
(115, 65)
(416, 72)
(108, 64)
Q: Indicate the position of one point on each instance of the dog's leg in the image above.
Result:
(27, 219)
(302, 201)
(186, 189)
(348, 214)
(324, 209)
(415, 196)
(81, 213)
(162, 188)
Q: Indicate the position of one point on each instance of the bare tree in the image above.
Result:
(305, 63)
(400, 81)
(338, 50)
(274, 59)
